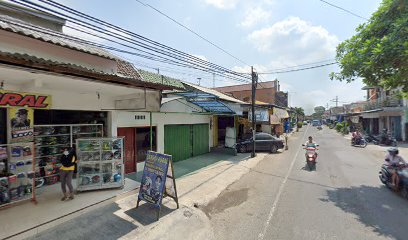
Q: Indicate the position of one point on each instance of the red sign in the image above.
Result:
(27, 100)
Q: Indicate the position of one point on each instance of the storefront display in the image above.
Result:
(50, 141)
(16, 172)
(100, 163)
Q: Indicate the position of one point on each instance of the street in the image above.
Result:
(280, 199)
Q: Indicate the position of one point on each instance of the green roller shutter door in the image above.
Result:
(177, 141)
(200, 139)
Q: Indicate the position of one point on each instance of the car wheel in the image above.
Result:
(274, 149)
(242, 148)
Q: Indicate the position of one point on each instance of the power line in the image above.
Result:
(343, 9)
(301, 69)
(192, 31)
(305, 64)
(143, 42)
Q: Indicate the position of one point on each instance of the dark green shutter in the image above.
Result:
(177, 141)
(200, 139)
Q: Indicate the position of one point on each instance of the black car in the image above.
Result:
(263, 142)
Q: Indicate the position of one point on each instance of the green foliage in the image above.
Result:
(342, 127)
(378, 53)
(339, 127)
(299, 124)
(319, 111)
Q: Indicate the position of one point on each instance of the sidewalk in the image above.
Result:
(210, 173)
(121, 220)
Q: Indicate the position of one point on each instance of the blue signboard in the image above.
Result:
(154, 177)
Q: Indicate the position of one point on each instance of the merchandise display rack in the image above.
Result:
(17, 165)
(100, 163)
(50, 141)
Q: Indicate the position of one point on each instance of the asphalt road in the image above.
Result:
(342, 199)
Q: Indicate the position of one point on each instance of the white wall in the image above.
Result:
(180, 106)
(127, 119)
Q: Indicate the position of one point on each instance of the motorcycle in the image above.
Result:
(385, 138)
(311, 156)
(359, 142)
(385, 178)
(319, 127)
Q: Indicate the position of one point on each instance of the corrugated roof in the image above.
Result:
(214, 92)
(10, 24)
(160, 79)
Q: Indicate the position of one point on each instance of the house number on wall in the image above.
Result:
(140, 117)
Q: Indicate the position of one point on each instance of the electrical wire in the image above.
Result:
(192, 31)
(151, 45)
(343, 9)
(297, 70)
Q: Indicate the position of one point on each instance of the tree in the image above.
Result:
(378, 53)
(319, 111)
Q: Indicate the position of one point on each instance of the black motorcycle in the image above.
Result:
(385, 178)
(359, 142)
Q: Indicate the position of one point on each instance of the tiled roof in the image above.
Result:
(245, 87)
(160, 79)
(220, 95)
(10, 24)
(123, 77)
(128, 70)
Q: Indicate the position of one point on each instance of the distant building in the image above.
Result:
(268, 92)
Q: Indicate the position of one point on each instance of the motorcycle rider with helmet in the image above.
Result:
(356, 136)
(394, 161)
(311, 144)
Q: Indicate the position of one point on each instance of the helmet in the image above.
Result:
(96, 179)
(106, 145)
(117, 177)
(393, 150)
(85, 180)
(107, 156)
(96, 156)
(117, 143)
(48, 131)
(107, 177)
(63, 130)
(117, 155)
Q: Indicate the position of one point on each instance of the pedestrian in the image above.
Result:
(68, 160)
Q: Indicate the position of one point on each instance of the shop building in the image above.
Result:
(55, 89)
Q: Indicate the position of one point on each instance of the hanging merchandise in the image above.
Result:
(16, 173)
(100, 163)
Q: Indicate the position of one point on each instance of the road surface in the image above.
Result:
(280, 199)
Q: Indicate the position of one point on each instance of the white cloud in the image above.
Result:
(294, 40)
(223, 4)
(202, 57)
(254, 16)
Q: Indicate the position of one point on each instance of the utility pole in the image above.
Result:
(337, 101)
(158, 70)
(213, 80)
(254, 85)
(199, 81)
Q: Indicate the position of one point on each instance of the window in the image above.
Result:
(263, 137)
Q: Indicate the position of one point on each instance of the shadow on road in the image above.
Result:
(146, 213)
(376, 207)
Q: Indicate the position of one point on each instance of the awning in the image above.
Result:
(206, 101)
(275, 119)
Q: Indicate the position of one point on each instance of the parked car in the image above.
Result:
(304, 122)
(263, 142)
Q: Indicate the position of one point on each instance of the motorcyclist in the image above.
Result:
(356, 136)
(311, 144)
(394, 161)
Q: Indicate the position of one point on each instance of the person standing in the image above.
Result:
(68, 160)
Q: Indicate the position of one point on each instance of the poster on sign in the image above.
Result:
(154, 177)
(158, 168)
(21, 125)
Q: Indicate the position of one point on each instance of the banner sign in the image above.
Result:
(260, 115)
(23, 99)
(158, 180)
(154, 177)
(21, 124)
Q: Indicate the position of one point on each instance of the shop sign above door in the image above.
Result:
(24, 99)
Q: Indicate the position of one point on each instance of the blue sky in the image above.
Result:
(268, 34)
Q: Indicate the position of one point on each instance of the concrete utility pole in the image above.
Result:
(254, 85)
(213, 80)
(199, 81)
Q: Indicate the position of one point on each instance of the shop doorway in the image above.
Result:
(137, 143)
(223, 123)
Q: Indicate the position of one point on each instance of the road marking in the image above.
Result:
(275, 202)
